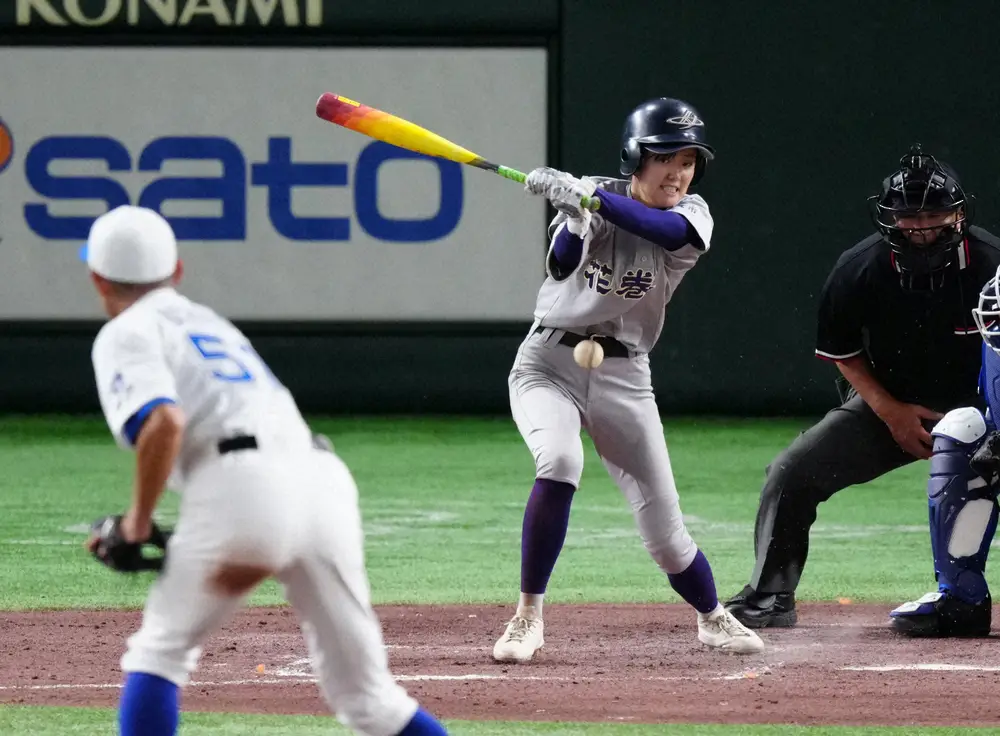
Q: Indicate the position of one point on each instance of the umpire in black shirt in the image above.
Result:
(895, 316)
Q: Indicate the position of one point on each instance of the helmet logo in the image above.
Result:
(685, 121)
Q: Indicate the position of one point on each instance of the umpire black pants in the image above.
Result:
(850, 445)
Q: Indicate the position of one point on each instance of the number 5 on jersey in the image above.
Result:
(229, 368)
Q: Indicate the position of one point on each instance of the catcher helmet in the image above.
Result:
(663, 125)
(922, 184)
(987, 313)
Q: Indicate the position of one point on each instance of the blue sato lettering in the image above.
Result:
(228, 189)
(279, 175)
(400, 230)
(36, 167)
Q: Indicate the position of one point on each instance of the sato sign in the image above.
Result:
(279, 215)
(278, 176)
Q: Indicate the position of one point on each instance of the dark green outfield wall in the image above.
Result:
(808, 104)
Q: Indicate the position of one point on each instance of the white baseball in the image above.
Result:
(588, 353)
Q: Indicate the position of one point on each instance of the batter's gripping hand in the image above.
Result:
(540, 180)
(569, 200)
(111, 549)
(565, 191)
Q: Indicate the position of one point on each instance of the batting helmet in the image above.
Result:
(663, 125)
(922, 184)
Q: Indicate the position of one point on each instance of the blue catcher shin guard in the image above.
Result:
(962, 512)
(963, 519)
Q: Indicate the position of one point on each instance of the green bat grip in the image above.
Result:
(591, 203)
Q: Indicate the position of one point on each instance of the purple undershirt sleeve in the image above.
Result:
(567, 249)
(665, 228)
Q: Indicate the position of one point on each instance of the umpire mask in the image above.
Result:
(921, 213)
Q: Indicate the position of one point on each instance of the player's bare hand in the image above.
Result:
(906, 422)
(134, 529)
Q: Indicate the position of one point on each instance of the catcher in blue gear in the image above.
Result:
(962, 500)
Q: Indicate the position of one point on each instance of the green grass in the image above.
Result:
(442, 501)
(66, 721)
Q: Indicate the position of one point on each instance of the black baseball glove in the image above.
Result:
(121, 556)
(986, 460)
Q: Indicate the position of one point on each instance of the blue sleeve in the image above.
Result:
(987, 385)
(135, 422)
(667, 229)
(567, 249)
(982, 371)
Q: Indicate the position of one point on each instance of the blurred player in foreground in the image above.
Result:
(183, 388)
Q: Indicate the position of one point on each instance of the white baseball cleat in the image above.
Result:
(721, 630)
(520, 640)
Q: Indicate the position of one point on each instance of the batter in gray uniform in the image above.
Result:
(610, 275)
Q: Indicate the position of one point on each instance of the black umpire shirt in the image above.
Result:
(923, 346)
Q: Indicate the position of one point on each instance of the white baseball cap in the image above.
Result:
(132, 245)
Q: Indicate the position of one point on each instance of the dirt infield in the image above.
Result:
(638, 664)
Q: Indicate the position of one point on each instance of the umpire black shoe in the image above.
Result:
(940, 614)
(761, 610)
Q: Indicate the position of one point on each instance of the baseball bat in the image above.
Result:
(391, 129)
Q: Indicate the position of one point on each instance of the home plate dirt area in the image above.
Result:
(601, 663)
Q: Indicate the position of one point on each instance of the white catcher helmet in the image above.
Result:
(987, 313)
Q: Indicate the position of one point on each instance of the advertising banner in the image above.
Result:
(286, 17)
(163, 13)
(279, 215)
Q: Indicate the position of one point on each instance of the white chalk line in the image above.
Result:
(301, 669)
(923, 667)
(283, 679)
(288, 678)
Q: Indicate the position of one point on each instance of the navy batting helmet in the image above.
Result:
(921, 248)
(663, 125)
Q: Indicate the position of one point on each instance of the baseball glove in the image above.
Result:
(121, 556)
(986, 460)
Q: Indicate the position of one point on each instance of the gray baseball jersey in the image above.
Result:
(623, 282)
(620, 289)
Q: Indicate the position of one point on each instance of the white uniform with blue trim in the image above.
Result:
(166, 347)
(285, 505)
